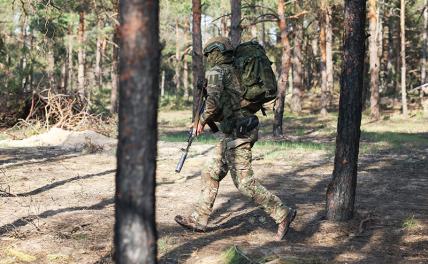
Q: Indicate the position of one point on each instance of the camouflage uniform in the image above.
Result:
(232, 153)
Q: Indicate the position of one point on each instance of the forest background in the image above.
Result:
(70, 48)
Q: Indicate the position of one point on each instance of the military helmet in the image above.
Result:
(223, 44)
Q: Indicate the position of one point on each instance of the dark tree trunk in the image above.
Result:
(197, 62)
(135, 228)
(235, 33)
(341, 190)
(114, 68)
(403, 58)
(296, 99)
(285, 68)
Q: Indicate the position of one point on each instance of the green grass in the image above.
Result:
(263, 145)
(235, 256)
(287, 145)
(410, 223)
(165, 244)
(183, 136)
(375, 141)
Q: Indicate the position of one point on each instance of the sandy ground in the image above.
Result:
(56, 206)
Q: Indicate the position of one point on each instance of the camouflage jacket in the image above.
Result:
(223, 97)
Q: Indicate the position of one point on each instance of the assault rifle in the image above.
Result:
(192, 133)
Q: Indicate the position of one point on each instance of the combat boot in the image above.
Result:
(190, 223)
(285, 224)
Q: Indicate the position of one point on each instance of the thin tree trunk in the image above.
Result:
(323, 63)
(81, 55)
(177, 78)
(135, 227)
(186, 77)
(70, 58)
(424, 46)
(285, 68)
(392, 60)
(403, 58)
(329, 52)
(114, 67)
(163, 84)
(185, 63)
(97, 70)
(235, 22)
(374, 60)
(341, 190)
(296, 102)
(197, 61)
(64, 78)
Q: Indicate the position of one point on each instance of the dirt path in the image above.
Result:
(62, 208)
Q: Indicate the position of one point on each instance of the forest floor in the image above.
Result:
(57, 206)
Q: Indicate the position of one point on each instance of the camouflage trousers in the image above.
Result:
(237, 160)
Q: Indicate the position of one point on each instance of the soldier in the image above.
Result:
(233, 152)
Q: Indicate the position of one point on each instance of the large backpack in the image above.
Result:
(257, 78)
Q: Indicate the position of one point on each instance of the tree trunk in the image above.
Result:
(114, 67)
(341, 190)
(236, 29)
(64, 78)
(70, 58)
(185, 63)
(285, 68)
(296, 102)
(374, 60)
(391, 79)
(197, 62)
(97, 70)
(323, 63)
(135, 227)
(163, 84)
(403, 58)
(177, 78)
(81, 55)
(329, 53)
(424, 46)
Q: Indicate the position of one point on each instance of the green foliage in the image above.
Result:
(235, 256)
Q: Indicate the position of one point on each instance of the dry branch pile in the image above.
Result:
(69, 112)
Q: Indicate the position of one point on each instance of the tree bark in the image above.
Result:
(114, 67)
(81, 55)
(184, 58)
(341, 190)
(135, 227)
(285, 68)
(197, 61)
(296, 101)
(97, 70)
(177, 78)
(323, 63)
(374, 60)
(163, 84)
(235, 32)
(70, 59)
(329, 53)
(403, 59)
(424, 46)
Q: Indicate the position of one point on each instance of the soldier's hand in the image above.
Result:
(199, 129)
